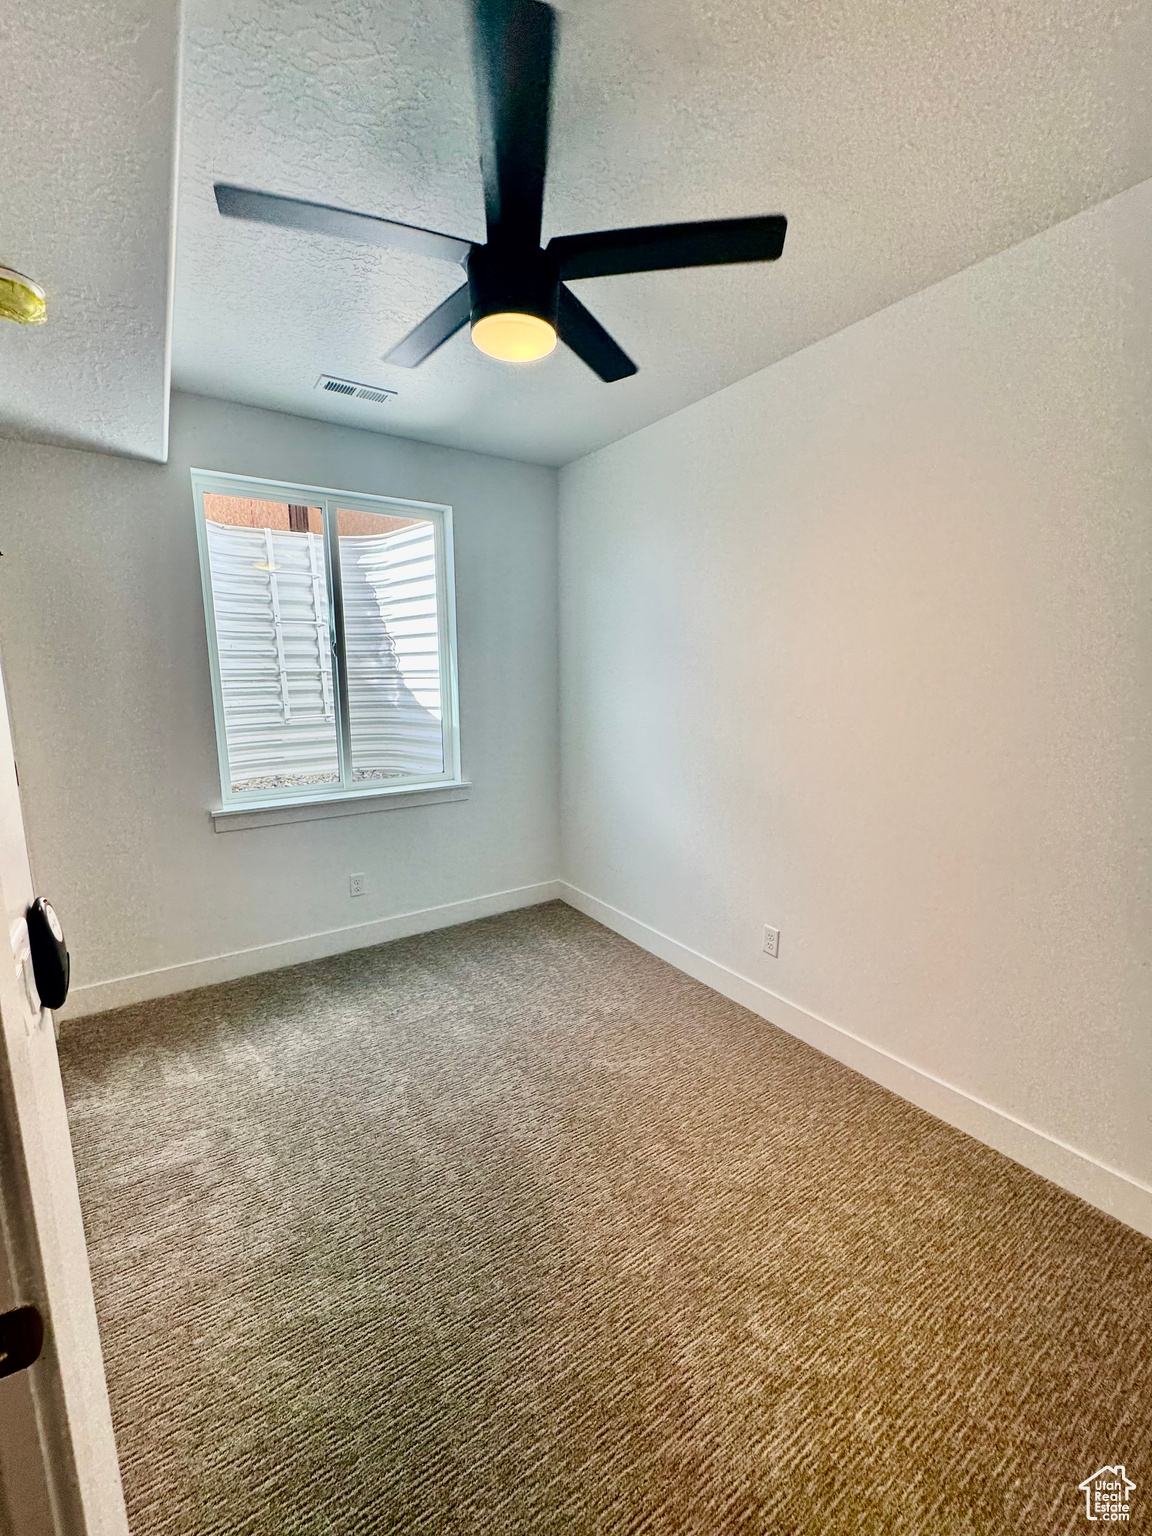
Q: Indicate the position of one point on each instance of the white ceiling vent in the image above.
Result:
(353, 390)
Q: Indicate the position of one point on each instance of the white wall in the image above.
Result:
(102, 635)
(861, 647)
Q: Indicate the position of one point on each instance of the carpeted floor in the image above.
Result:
(513, 1228)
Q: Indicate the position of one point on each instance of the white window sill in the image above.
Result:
(238, 818)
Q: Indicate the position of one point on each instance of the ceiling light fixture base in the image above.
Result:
(21, 299)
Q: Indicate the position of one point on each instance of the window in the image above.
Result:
(331, 638)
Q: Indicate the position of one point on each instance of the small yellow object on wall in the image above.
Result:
(21, 299)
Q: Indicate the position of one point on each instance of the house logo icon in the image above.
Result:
(1106, 1494)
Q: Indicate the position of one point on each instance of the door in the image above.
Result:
(58, 1470)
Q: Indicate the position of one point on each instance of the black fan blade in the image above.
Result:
(581, 331)
(433, 331)
(292, 213)
(659, 247)
(512, 61)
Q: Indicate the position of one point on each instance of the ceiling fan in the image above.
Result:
(516, 295)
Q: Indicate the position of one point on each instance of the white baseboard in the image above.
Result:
(1108, 1189)
(1117, 1193)
(142, 987)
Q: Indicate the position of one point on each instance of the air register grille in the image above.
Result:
(353, 390)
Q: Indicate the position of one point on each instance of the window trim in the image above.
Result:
(328, 499)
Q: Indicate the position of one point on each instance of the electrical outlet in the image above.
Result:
(357, 885)
(772, 941)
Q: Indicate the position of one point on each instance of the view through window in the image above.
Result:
(330, 640)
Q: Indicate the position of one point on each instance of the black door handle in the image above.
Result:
(50, 962)
(21, 1339)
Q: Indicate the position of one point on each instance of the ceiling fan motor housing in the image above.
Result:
(516, 280)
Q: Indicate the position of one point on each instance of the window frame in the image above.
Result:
(330, 500)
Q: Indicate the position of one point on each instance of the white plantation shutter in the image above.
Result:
(275, 659)
(392, 644)
(272, 635)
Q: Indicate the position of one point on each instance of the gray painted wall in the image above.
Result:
(102, 635)
(861, 647)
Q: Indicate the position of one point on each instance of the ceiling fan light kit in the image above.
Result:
(516, 298)
(512, 337)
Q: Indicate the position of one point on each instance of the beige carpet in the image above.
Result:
(513, 1228)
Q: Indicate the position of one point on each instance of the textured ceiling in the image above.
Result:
(904, 140)
(87, 191)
